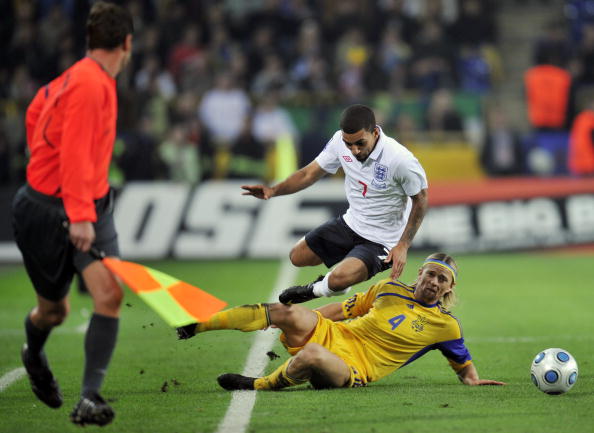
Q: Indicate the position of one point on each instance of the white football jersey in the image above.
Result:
(379, 189)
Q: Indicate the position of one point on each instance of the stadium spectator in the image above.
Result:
(432, 63)
(387, 194)
(391, 59)
(441, 113)
(585, 56)
(309, 144)
(260, 45)
(581, 144)
(554, 43)
(322, 51)
(151, 78)
(407, 127)
(271, 121)
(223, 110)
(309, 71)
(272, 77)
(66, 207)
(185, 52)
(393, 13)
(548, 95)
(475, 24)
(140, 159)
(474, 71)
(248, 159)
(180, 156)
(501, 152)
(396, 324)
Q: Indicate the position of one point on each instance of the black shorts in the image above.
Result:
(335, 240)
(40, 229)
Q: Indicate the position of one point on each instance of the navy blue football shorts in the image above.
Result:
(334, 240)
(40, 228)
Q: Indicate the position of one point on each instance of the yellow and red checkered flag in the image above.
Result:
(177, 302)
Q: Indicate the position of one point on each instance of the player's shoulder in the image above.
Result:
(388, 286)
(394, 149)
(88, 74)
(396, 155)
(335, 139)
(333, 145)
(449, 318)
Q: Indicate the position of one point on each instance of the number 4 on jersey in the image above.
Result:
(396, 320)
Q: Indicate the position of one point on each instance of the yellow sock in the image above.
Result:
(278, 379)
(245, 318)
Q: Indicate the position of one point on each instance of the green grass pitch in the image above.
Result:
(511, 307)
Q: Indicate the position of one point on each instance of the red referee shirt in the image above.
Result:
(71, 125)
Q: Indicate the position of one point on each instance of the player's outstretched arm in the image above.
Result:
(299, 180)
(332, 311)
(469, 376)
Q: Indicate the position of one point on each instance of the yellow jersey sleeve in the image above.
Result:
(459, 367)
(454, 349)
(360, 303)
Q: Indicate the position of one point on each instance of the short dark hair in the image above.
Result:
(108, 25)
(357, 117)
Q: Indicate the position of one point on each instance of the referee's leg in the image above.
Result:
(38, 325)
(48, 314)
(106, 292)
(102, 333)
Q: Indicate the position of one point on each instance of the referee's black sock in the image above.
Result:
(35, 337)
(99, 344)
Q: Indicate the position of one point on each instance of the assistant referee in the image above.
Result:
(67, 206)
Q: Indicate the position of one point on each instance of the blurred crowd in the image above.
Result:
(226, 89)
(560, 95)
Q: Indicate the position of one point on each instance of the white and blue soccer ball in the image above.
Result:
(554, 371)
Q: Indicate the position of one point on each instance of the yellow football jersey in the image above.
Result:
(390, 329)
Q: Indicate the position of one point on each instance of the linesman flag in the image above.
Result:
(177, 302)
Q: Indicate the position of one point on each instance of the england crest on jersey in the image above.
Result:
(380, 172)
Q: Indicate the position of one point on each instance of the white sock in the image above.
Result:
(321, 288)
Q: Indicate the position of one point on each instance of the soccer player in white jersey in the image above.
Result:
(386, 188)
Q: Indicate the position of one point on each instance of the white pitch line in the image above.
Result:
(80, 329)
(239, 413)
(11, 377)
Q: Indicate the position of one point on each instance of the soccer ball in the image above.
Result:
(554, 371)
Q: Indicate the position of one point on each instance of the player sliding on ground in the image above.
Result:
(393, 324)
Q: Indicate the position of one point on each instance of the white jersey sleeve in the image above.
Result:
(328, 158)
(411, 176)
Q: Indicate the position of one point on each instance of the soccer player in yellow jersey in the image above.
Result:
(360, 340)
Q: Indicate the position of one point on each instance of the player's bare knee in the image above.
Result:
(343, 277)
(55, 319)
(110, 297)
(54, 316)
(311, 355)
(339, 279)
(295, 257)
